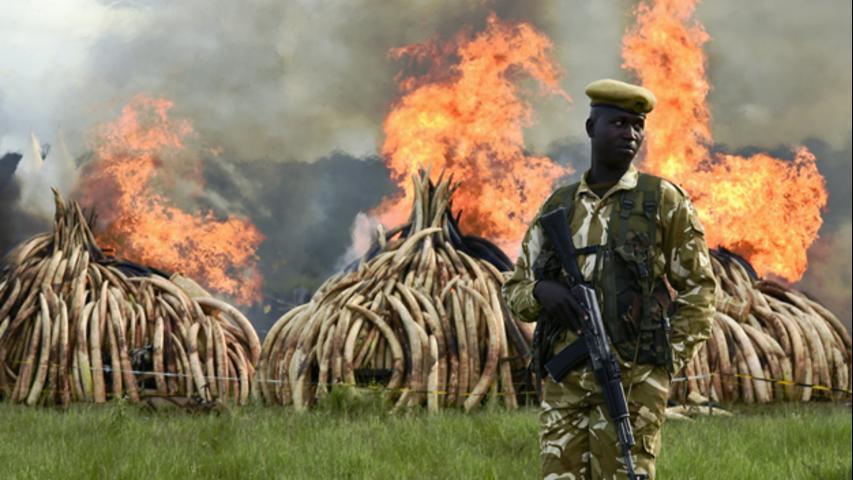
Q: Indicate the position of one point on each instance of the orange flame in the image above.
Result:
(764, 208)
(143, 151)
(467, 119)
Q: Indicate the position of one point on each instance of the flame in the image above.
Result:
(136, 157)
(764, 208)
(466, 118)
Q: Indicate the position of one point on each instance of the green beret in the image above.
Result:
(613, 93)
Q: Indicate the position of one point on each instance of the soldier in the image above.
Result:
(639, 242)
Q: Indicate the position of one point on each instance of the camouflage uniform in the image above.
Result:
(577, 439)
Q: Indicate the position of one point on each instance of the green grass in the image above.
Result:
(789, 441)
(346, 439)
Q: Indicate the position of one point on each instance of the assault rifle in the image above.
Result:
(593, 343)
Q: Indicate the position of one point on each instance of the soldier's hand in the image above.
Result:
(557, 301)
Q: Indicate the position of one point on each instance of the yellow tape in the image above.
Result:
(786, 382)
(822, 388)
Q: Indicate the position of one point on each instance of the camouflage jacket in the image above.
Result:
(681, 254)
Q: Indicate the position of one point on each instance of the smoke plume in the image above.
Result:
(16, 224)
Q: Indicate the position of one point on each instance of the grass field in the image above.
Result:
(346, 440)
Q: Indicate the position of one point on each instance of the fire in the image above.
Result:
(138, 160)
(466, 118)
(764, 208)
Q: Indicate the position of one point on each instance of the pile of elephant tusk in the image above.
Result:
(768, 342)
(75, 327)
(421, 318)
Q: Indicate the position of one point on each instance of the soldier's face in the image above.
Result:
(616, 135)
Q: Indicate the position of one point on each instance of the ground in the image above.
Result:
(345, 439)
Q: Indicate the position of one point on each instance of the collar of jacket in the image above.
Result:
(627, 182)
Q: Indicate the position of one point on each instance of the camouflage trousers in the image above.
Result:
(577, 439)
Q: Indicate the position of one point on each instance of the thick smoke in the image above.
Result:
(305, 210)
(780, 70)
(294, 94)
(828, 278)
(831, 258)
(282, 80)
(16, 224)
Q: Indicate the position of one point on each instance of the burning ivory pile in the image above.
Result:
(78, 326)
(768, 343)
(422, 316)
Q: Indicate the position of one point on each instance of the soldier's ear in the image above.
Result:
(590, 127)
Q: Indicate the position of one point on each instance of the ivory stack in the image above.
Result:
(75, 327)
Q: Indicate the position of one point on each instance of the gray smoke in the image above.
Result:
(282, 80)
(305, 210)
(16, 224)
(828, 277)
(780, 70)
